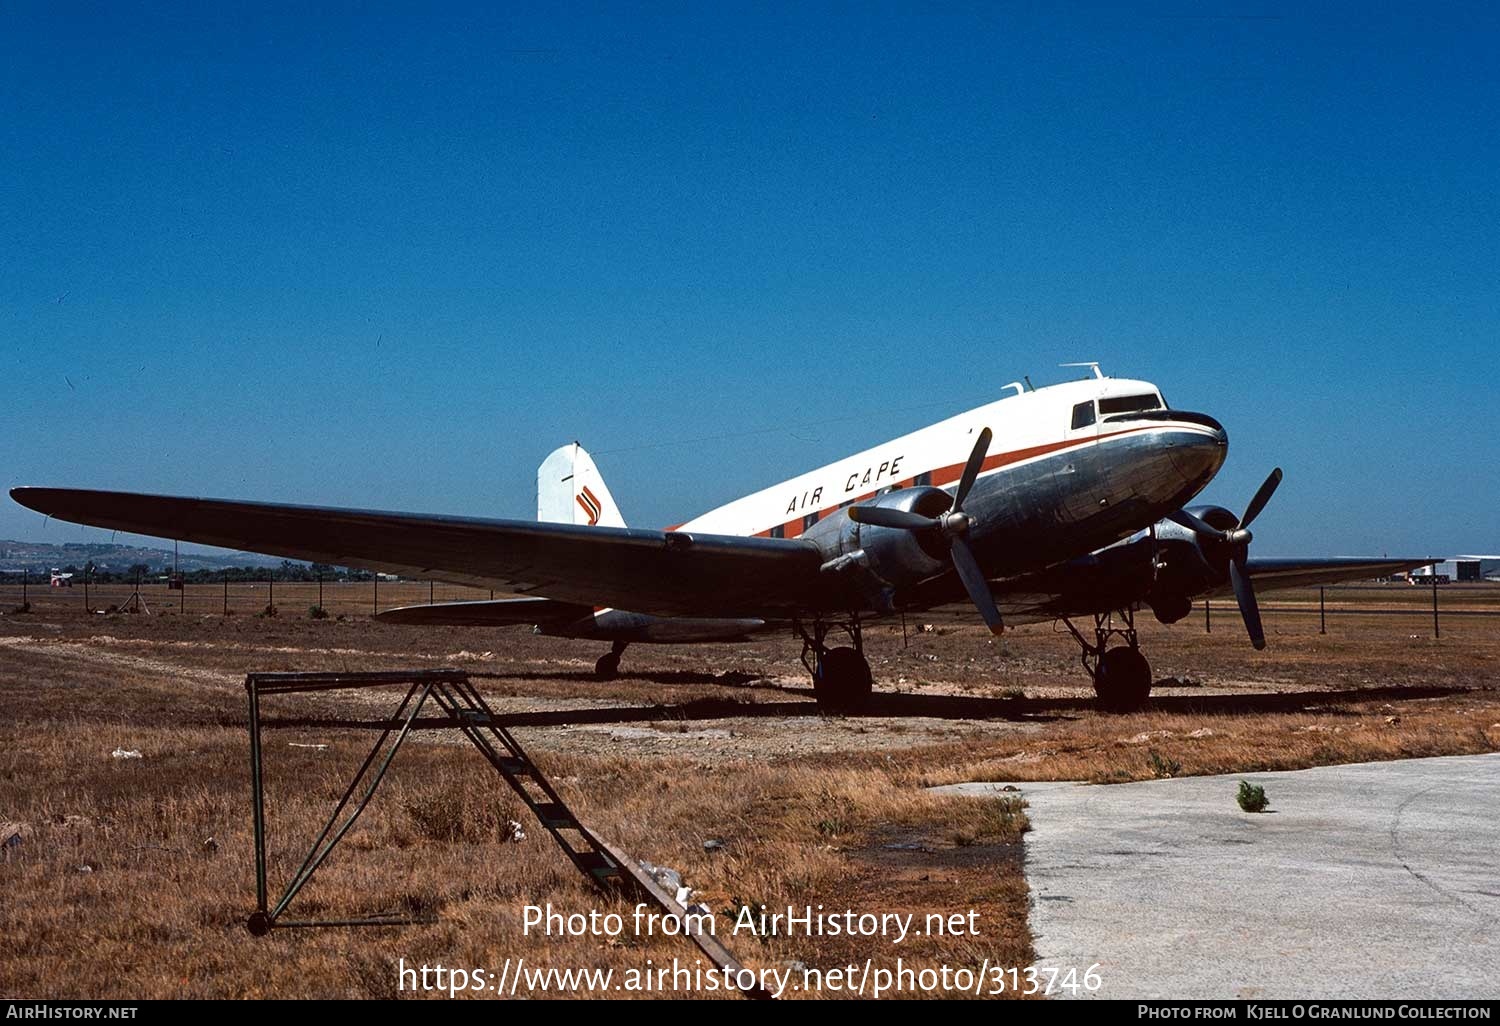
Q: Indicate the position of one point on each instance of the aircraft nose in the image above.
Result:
(1199, 448)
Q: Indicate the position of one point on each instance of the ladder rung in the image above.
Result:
(596, 862)
(555, 815)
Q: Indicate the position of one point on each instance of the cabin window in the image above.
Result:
(808, 521)
(779, 531)
(924, 479)
(1083, 415)
(1129, 404)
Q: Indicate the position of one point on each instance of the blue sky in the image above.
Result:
(389, 257)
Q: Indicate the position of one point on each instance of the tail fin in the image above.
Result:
(570, 490)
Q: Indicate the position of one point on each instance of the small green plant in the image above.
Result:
(269, 611)
(1252, 797)
(317, 613)
(1162, 768)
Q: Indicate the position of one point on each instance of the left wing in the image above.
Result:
(672, 573)
(1269, 574)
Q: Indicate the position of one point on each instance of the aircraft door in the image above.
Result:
(1071, 499)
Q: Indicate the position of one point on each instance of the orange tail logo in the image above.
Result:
(590, 505)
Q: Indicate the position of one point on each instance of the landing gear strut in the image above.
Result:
(841, 676)
(608, 665)
(1122, 677)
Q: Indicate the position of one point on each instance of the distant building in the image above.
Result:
(1458, 569)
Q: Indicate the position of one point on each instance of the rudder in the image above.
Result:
(570, 490)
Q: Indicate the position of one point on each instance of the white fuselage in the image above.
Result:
(1027, 427)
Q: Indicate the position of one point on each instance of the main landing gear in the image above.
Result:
(841, 676)
(1122, 677)
(608, 665)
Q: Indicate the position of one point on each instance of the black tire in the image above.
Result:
(607, 667)
(842, 683)
(1123, 680)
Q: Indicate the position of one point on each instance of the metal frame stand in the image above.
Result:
(463, 709)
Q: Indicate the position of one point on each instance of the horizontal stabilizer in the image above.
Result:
(494, 613)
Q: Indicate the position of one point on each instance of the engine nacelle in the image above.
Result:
(885, 561)
(1186, 565)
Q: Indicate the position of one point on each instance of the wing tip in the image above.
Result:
(29, 496)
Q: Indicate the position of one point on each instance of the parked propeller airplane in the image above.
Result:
(1078, 512)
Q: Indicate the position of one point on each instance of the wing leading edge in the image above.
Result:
(664, 573)
(1271, 573)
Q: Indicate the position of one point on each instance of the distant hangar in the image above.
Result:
(1459, 569)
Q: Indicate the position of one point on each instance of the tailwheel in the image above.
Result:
(608, 665)
(1122, 679)
(842, 681)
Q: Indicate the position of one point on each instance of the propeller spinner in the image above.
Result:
(954, 527)
(1237, 541)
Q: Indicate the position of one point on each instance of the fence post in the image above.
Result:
(320, 591)
(270, 590)
(1208, 623)
(1436, 631)
(1322, 614)
(86, 568)
(226, 591)
(376, 602)
(429, 592)
(25, 579)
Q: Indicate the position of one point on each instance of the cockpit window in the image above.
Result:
(1128, 404)
(1083, 415)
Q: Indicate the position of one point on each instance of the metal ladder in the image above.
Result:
(464, 704)
(464, 709)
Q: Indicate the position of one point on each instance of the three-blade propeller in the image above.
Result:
(1237, 541)
(953, 526)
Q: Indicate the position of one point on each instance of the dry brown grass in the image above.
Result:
(120, 893)
(1112, 749)
(721, 744)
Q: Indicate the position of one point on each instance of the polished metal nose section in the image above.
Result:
(1198, 455)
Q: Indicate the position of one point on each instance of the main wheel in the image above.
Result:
(842, 683)
(1123, 680)
(608, 666)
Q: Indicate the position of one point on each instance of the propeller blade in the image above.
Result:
(1195, 524)
(1244, 594)
(880, 516)
(1262, 496)
(972, 468)
(976, 585)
